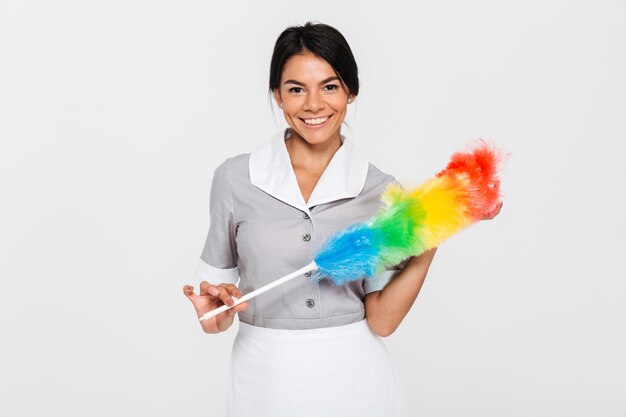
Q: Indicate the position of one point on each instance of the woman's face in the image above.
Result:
(313, 99)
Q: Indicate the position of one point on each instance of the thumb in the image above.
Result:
(241, 307)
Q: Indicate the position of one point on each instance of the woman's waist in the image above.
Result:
(331, 328)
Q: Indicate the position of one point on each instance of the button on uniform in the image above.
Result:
(310, 303)
(307, 274)
(306, 237)
(306, 216)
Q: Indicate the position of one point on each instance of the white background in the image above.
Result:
(114, 114)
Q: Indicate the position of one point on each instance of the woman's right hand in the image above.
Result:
(212, 297)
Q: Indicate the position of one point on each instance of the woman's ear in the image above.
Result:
(278, 98)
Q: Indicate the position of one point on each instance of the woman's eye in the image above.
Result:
(295, 90)
(331, 87)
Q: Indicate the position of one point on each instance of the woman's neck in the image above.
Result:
(313, 158)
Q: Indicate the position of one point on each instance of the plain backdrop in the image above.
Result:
(114, 114)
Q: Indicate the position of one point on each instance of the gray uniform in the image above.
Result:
(262, 229)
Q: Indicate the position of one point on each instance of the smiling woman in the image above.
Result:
(313, 99)
(314, 102)
(305, 348)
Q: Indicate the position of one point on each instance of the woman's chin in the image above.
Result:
(317, 136)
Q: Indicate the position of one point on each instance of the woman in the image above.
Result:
(303, 348)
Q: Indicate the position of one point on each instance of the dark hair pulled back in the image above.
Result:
(321, 40)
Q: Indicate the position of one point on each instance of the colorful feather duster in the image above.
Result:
(415, 220)
(410, 222)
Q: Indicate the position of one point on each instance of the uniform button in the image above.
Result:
(307, 274)
(306, 216)
(306, 237)
(310, 303)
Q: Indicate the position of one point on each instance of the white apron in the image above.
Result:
(338, 371)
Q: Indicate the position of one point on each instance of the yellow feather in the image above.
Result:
(445, 204)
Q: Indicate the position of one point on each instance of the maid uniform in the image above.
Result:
(302, 349)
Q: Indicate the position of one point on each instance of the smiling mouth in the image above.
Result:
(315, 121)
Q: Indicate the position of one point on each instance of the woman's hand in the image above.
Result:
(493, 213)
(496, 210)
(212, 297)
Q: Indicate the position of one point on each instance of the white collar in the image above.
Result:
(271, 171)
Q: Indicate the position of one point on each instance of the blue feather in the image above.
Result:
(352, 253)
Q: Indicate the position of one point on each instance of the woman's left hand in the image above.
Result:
(493, 213)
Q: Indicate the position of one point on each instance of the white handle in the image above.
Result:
(310, 267)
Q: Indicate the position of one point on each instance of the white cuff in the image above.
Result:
(214, 275)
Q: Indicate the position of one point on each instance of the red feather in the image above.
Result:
(478, 168)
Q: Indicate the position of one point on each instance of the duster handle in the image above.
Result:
(310, 267)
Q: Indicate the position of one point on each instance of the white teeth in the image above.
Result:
(317, 121)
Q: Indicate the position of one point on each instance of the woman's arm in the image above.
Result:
(384, 310)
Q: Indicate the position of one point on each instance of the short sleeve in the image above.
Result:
(379, 282)
(218, 261)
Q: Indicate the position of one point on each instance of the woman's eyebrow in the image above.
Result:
(321, 82)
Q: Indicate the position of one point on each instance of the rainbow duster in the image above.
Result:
(410, 222)
(413, 221)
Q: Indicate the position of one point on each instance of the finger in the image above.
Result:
(240, 307)
(231, 312)
(206, 288)
(494, 212)
(188, 291)
(225, 295)
(233, 290)
(226, 318)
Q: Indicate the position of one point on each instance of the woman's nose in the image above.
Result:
(314, 102)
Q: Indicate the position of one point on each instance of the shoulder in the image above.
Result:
(234, 165)
(232, 177)
(229, 174)
(232, 171)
